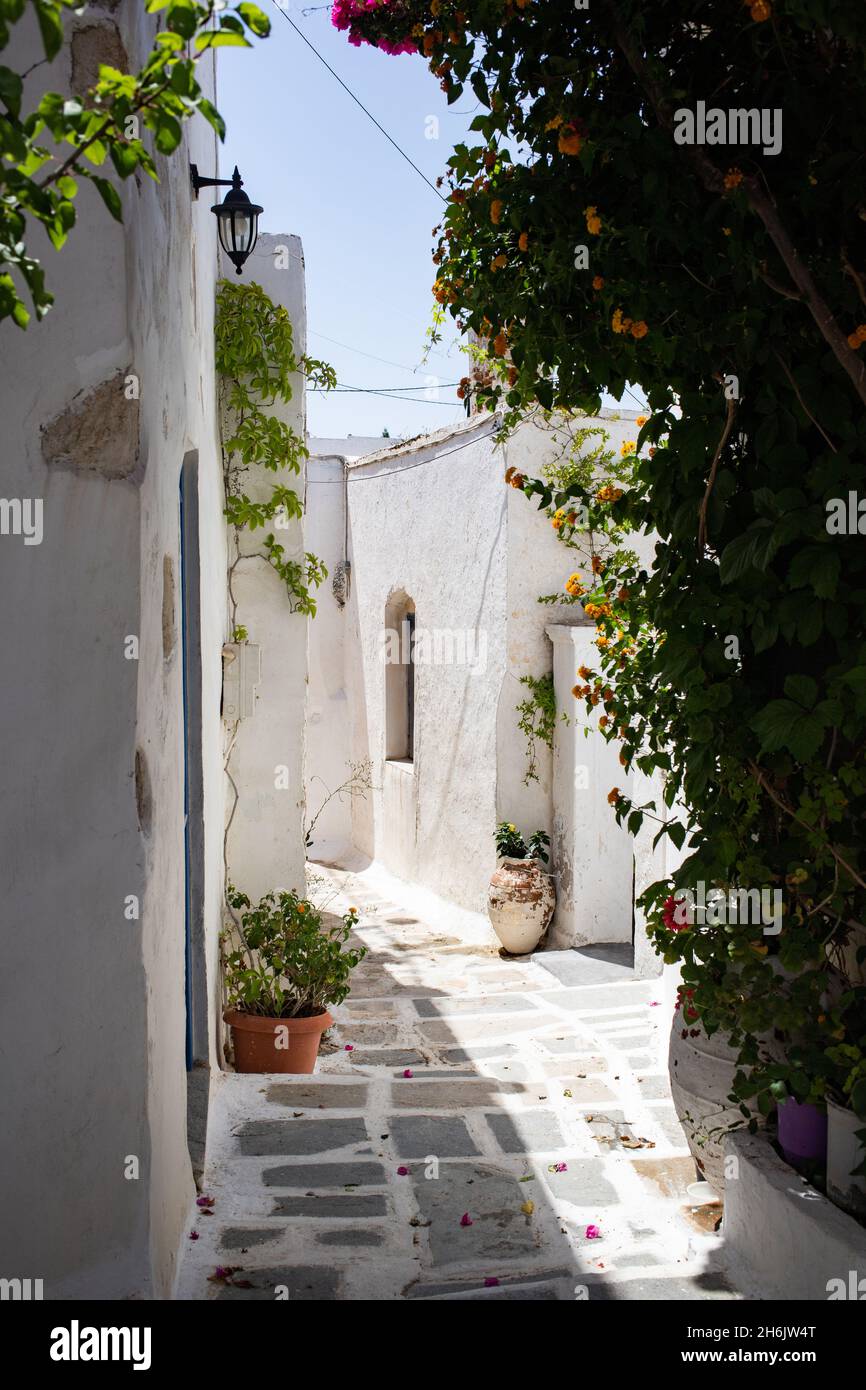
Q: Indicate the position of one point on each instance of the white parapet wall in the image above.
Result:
(783, 1239)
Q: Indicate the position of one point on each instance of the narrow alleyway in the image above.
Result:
(476, 1128)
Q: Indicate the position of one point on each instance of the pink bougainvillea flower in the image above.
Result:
(466, 1219)
(408, 1072)
(491, 1283)
(593, 1233)
(655, 1003)
(350, 1047)
(403, 1172)
(193, 1235)
(205, 1201)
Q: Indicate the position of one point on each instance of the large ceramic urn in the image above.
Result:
(520, 904)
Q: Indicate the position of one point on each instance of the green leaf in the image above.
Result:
(11, 88)
(255, 19)
(50, 27)
(109, 196)
(802, 689)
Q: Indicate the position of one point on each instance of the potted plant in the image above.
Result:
(283, 968)
(521, 897)
(846, 1106)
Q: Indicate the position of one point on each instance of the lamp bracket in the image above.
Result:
(198, 182)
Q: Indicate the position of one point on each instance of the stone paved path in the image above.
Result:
(535, 1110)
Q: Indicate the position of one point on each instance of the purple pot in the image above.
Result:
(802, 1132)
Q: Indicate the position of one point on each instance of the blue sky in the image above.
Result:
(323, 171)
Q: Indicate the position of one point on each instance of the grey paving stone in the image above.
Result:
(345, 1204)
(446, 1136)
(641, 1259)
(477, 1054)
(592, 998)
(523, 1278)
(305, 1284)
(703, 1287)
(263, 1137)
(640, 1062)
(664, 1118)
(584, 1184)
(308, 1175)
(654, 1087)
(626, 1044)
(525, 1133)
(589, 965)
(368, 1033)
(388, 1057)
(557, 1045)
(243, 1238)
(471, 1030)
(332, 1094)
(493, 1198)
(527, 1293)
(350, 1237)
(449, 1095)
(480, 1004)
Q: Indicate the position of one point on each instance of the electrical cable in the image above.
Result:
(358, 102)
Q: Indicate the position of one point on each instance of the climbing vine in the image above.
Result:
(49, 145)
(256, 359)
(537, 719)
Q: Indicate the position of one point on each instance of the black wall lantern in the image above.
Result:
(237, 218)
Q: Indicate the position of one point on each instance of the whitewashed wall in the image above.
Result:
(99, 998)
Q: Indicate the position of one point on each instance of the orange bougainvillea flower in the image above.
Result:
(499, 262)
(458, 196)
(512, 375)
(584, 672)
(760, 10)
(554, 124)
(593, 221)
(858, 337)
(574, 586)
(641, 421)
(639, 329)
(523, 241)
(733, 178)
(597, 282)
(509, 473)
(500, 345)
(627, 448)
(597, 564)
(613, 795)
(569, 141)
(496, 211)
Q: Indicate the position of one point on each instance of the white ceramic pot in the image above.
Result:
(520, 903)
(844, 1153)
(702, 1072)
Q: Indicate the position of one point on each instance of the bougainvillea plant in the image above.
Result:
(115, 129)
(672, 195)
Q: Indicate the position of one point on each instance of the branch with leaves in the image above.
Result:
(126, 119)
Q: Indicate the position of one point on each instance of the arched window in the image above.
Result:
(400, 678)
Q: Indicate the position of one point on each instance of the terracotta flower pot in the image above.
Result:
(520, 904)
(276, 1044)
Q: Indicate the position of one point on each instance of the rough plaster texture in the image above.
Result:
(266, 844)
(103, 1077)
(97, 433)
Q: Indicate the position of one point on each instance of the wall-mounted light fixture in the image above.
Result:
(237, 218)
